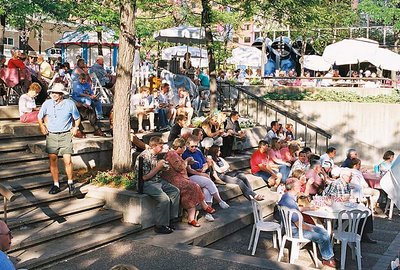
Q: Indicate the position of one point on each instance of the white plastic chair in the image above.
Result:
(347, 233)
(297, 241)
(261, 225)
(104, 94)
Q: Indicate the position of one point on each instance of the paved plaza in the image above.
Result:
(146, 250)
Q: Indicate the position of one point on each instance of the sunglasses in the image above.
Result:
(192, 146)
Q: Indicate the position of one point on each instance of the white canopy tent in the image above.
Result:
(316, 63)
(199, 56)
(350, 51)
(181, 34)
(248, 56)
(385, 59)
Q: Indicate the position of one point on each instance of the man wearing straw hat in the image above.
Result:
(59, 120)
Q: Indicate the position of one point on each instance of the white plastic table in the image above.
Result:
(331, 213)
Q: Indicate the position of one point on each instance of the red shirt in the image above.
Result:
(15, 63)
(257, 158)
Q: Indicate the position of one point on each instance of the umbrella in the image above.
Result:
(179, 51)
(88, 38)
(249, 56)
(350, 51)
(181, 34)
(316, 63)
(386, 59)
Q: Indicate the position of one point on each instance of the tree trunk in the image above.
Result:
(206, 22)
(2, 31)
(122, 146)
(99, 42)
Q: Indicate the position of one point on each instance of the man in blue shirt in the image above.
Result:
(311, 232)
(83, 93)
(62, 122)
(5, 244)
(105, 79)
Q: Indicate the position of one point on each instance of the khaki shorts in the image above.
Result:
(59, 144)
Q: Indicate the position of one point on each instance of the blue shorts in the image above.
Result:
(264, 175)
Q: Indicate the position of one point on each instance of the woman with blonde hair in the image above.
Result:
(28, 112)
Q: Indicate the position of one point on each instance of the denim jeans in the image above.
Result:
(284, 170)
(321, 237)
(240, 180)
(162, 118)
(96, 104)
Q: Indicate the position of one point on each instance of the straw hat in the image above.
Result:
(58, 88)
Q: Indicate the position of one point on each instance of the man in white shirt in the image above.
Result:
(327, 159)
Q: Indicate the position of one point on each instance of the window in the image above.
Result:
(247, 27)
(246, 39)
(235, 40)
(257, 35)
(8, 41)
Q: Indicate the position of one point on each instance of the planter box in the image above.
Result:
(136, 208)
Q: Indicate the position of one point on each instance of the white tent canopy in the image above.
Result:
(179, 51)
(181, 34)
(316, 63)
(386, 59)
(249, 56)
(350, 51)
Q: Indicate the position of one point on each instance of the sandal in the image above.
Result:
(210, 210)
(194, 223)
(259, 197)
(140, 131)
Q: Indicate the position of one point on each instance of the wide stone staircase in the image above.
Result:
(47, 228)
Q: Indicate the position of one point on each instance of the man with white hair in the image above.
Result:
(46, 73)
(5, 244)
(98, 68)
(62, 122)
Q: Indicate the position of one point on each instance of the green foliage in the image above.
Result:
(384, 12)
(334, 95)
(112, 179)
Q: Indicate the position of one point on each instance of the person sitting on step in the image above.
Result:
(166, 195)
(140, 107)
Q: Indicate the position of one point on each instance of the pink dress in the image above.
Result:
(191, 193)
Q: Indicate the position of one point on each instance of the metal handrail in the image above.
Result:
(277, 110)
(8, 196)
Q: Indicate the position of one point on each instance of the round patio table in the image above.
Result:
(331, 213)
(373, 180)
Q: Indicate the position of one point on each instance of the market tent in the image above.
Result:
(179, 51)
(248, 56)
(84, 44)
(316, 63)
(181, 34)
(385, 59)
(350, 51)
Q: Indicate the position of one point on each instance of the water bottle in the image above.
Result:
(377, 170)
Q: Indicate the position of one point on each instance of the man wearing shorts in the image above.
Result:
(59, 120)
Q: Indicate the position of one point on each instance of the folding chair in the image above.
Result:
(103, 93)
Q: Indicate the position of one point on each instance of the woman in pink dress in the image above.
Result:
(191, 193)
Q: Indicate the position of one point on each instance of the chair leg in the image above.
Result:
(281, 249)
(358, 250)
(255, 241)
(314, 245)
(251, 237)
(279, 237)
(343, 255)
(353, 254)
(294, 251)
(274, 239)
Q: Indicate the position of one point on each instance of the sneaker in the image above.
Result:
(54, 190)
(223, 205)
(163, 229)
(209, 217)
(71, 189)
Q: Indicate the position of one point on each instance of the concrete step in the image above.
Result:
(22, 129)
(57, 249)
(17, 184)
(55, 211)
(24, 169)
(20, 156)
(34, 234)
(28, 198)
(13, 145)
(9, 112)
